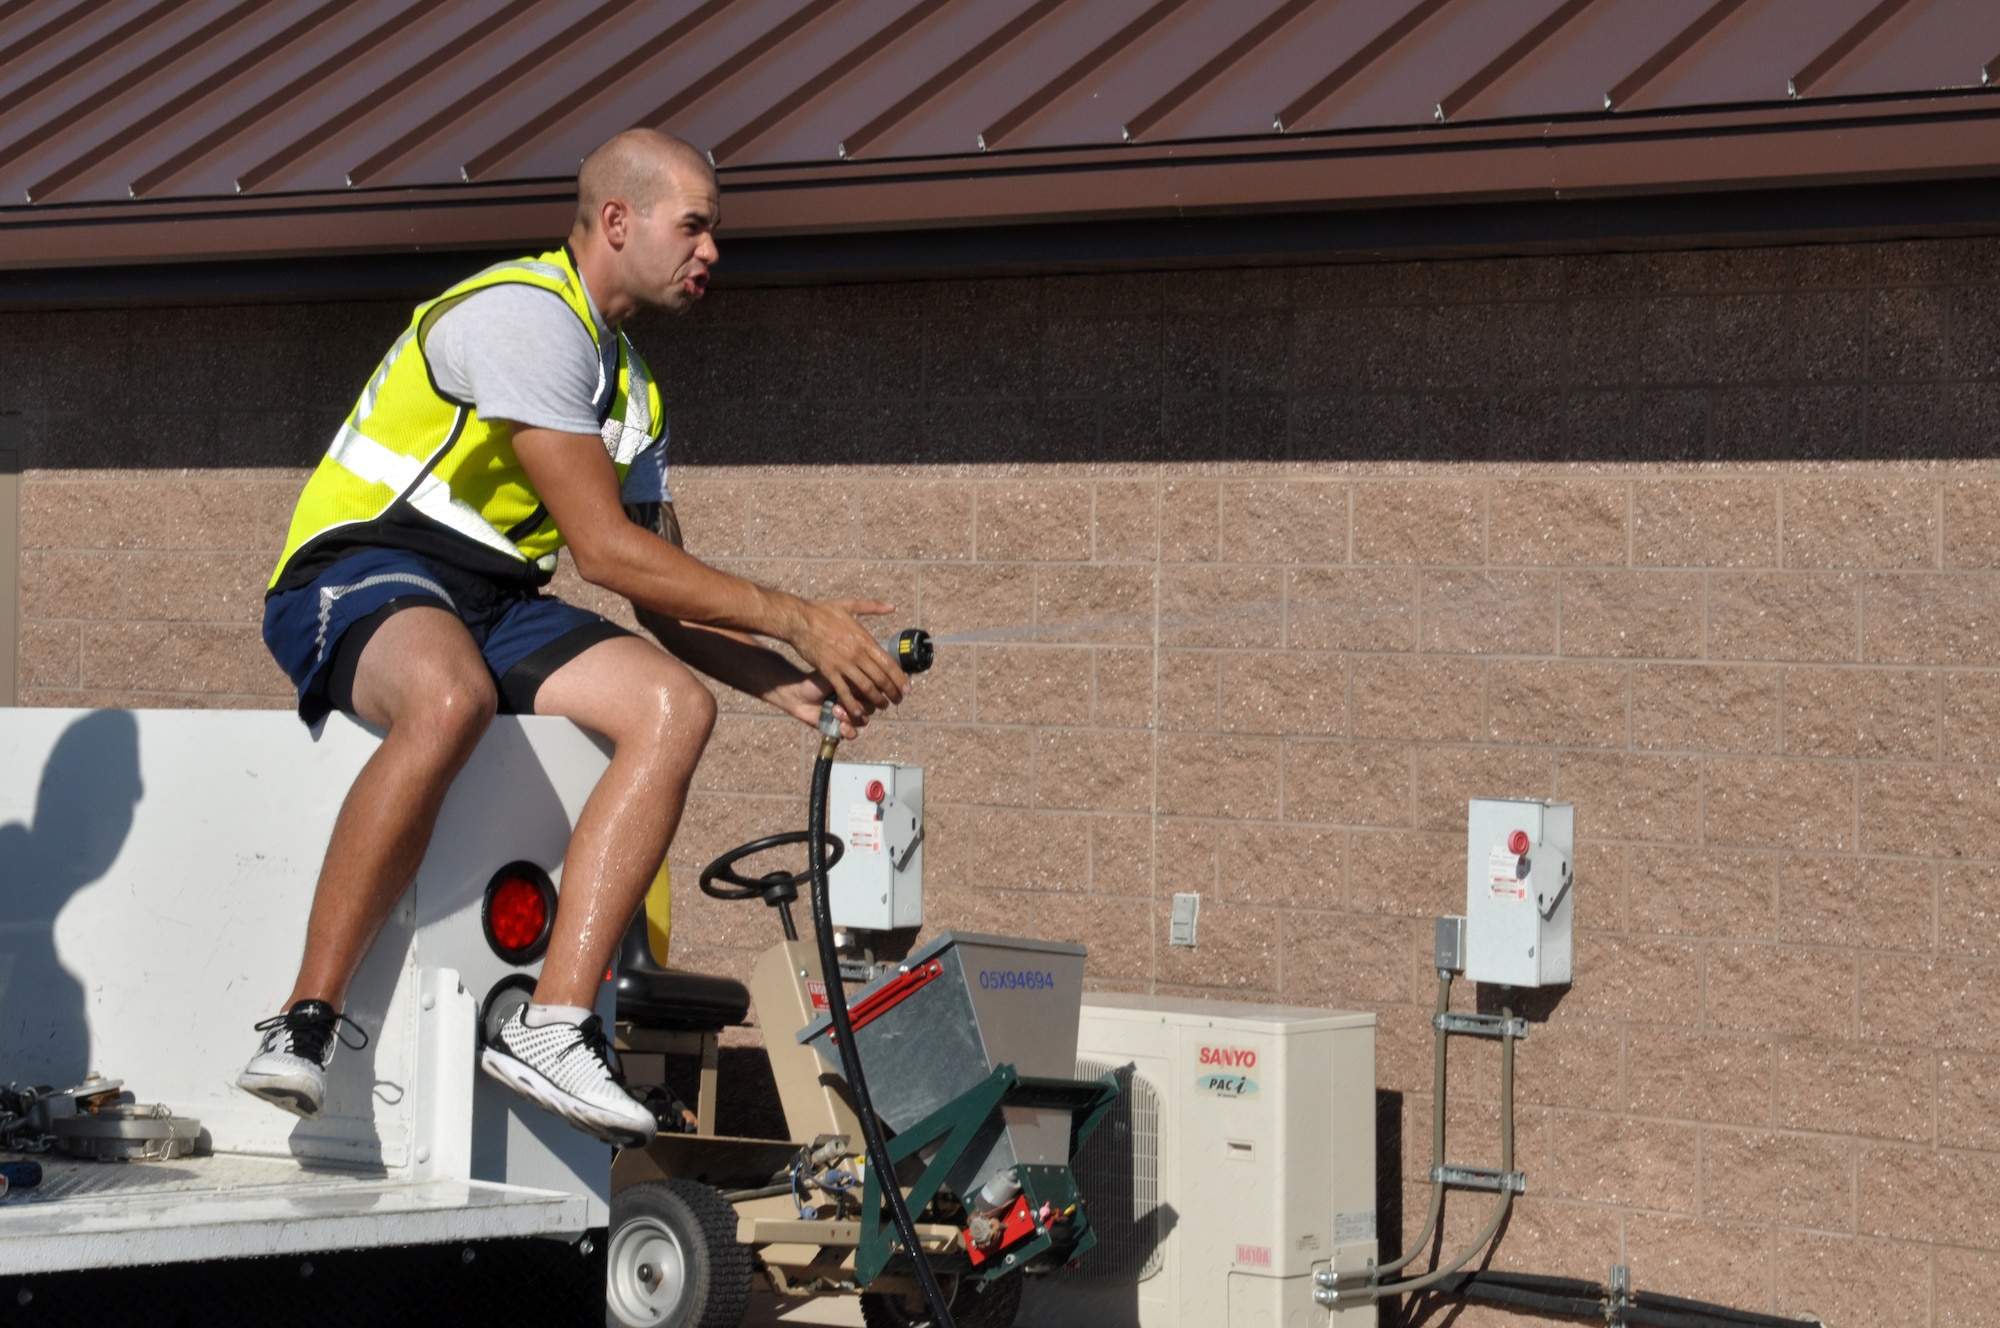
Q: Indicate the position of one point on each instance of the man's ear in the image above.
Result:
(616, 220)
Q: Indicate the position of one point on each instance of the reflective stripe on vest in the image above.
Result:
(407, 447)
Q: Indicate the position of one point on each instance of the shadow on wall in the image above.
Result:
(83, 813)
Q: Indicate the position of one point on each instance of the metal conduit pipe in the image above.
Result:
(1440, 1039)
(1506, 1201)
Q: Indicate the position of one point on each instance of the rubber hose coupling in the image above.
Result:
(911, 650)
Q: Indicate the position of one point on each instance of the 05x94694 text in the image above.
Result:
(1016, 979)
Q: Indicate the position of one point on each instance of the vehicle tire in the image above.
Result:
(974, 1304)
(673, 1260)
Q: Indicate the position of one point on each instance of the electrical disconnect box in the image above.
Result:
(1518, 899)
(878, 812)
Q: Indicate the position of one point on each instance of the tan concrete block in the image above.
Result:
(1005, 913)
(1620, 1160)
(1121, 855)
(1918, 1001)
(1722, 1263)
(1125, 521)
(1341, 960)
(1938, 618)
(1407, 873)
(1096, 604)
(1478, 612)
(244, 511)
(1969, 909)
(1337, 609)
(752, 753)
(1285, 866)
(1866, 903)
(1620, 614)
(1292, 521)
(932, 520)
(1706, 707)
(1791, 1179)
(1778, 989)
(1703, 1076)
(1205, 775)
(1546, 702)
(154, 585)
(1292, 692)
(1034, 521)
(1572, 1064)
(1621, 795)
(895, 584)
(1185, 854)
(1347, 783)
(1190, 683)
(1558, 523)
(1122, 688)
(1603, 865)
(1689, 892)
(1225, 607)
(1190, 521)
(1236, 949)
(1971, 721)
(1853, 1282)
(1968, 1101)
(169, 657)
(1932, 1196)
(1705, 523)
(1420, 522)
(1849, 521)
(1093, 770)
(1623, 979)
(1932, 811)
(1965, 1289)
(1551, 1237)
(1403, 1050)
(958, 600)
(1971, 536)
(978, 764)
(1419, 698)
(1867, 714)
(1034, 684)
(1856, 1088)
(1117, 932)
(1446, 777)
(51, 654)
(947, 694)
(1778, 804)
(1811, 616)
(1004, 848)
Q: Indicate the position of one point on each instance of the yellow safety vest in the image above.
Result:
(412, 468)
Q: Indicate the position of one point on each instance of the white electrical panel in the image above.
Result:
(878, 812)
(1239, 1162)
(1518, 896)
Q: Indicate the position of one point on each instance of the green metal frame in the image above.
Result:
(954, 1128)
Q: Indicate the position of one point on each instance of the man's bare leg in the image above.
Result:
(658, 716)
(421, 678)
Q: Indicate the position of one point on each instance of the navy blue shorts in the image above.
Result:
(317, 631)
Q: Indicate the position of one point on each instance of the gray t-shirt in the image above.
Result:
(518, 353)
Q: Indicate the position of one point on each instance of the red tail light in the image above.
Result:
(520, 907)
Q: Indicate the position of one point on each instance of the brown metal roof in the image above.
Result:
(158, 129)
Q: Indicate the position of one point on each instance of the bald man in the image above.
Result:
(510, 420)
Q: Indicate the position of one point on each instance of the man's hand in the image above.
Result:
(831, 638)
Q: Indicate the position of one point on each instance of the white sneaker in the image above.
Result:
(289, 1069)
(566, 1068)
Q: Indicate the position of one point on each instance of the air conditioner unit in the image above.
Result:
(1238, 1162)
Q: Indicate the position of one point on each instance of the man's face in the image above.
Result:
(669, 251)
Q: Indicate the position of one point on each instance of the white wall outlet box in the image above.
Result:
(1518, 895)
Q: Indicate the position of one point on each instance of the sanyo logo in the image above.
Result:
(1235, 1058)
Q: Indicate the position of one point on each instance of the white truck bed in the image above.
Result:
(116, 1214)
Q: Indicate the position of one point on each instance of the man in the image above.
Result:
(508, 421)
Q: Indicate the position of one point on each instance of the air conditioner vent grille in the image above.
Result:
(1118, 1171)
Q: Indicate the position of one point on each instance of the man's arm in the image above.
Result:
(576, 481)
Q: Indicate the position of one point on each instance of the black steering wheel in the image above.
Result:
(723, 869)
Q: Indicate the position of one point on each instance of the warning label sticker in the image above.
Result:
(864, 830)
(1504, 873)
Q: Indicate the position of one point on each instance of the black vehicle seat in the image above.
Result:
(657, 999)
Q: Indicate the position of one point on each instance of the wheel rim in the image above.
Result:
(647, 1277)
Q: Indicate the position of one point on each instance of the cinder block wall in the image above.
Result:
(1262, 574)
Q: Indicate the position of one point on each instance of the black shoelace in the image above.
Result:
(595, 1042)
(310, 1026)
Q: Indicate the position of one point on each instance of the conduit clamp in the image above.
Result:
(1481, 1178)
(1481, 1025)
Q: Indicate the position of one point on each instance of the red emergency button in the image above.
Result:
(1517, 843)
(875, 792)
